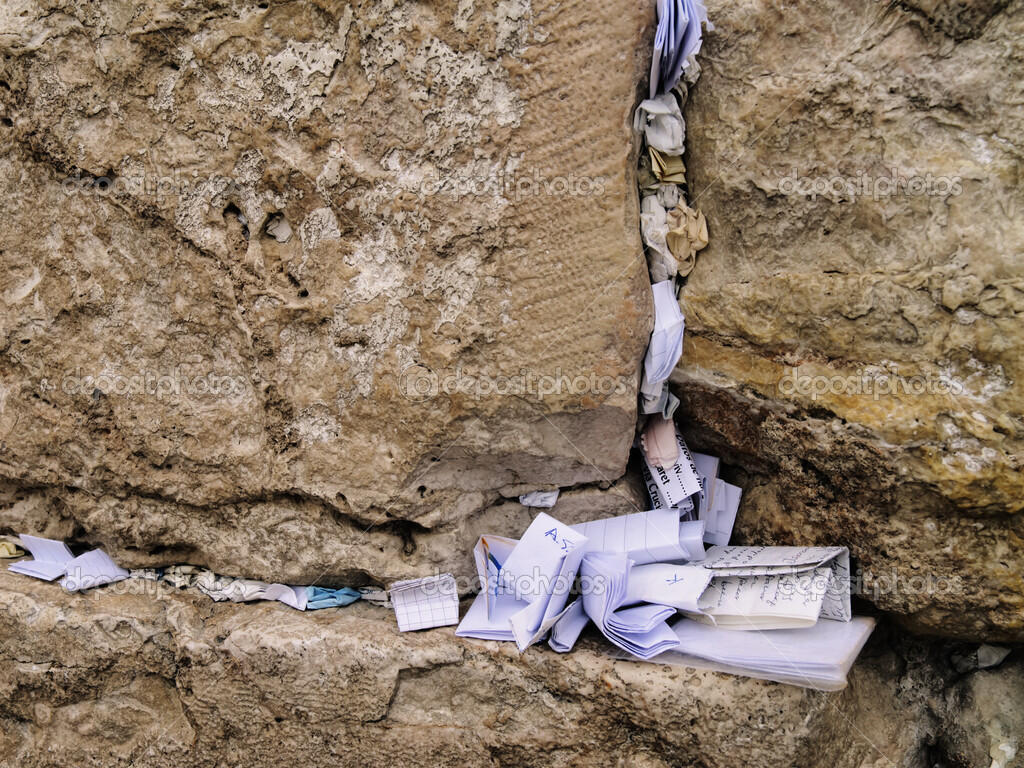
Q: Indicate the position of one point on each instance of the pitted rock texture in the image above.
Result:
(134, 674)
(458, 315)
(854, 326)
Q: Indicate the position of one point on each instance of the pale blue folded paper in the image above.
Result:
(324, 597)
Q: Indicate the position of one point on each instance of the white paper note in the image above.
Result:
(540, 570)
(92, 569)
(780, 601)
(646, 537)
(678, 586)
(545, 499)
(661, 122)
(666, 345)
(566, 631)
(641, 629)
(498, 625)
(432, 601)
(721, 514)
(759, 561)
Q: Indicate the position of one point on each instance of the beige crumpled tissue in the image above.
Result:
(9, 550)
(687, 234)
(668, 169)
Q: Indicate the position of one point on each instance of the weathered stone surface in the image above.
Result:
(989, 726)
(133, 675)
(177, 384)
(853, 344)
(182, 382)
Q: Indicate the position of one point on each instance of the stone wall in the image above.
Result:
(178, 385)
(853, 341)
(180, 381)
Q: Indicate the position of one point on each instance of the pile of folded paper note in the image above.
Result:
(781, 613)
(53, 559)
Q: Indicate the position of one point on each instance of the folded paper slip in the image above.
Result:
(831, 590)
(687, 234)
(661, 122)
(566, 631)
(654, 230)
(93, 569)
(818, 657)
(664, 403)
(432, 601)
(490, 615)
(720, 516)
(221, 588)
(719, 501)
(49, 561)
(52, 559)
(496, 626)
(540, 571)
(673, 585)
(641, 630)
(677, 38)
(545, 499)
(668, 169)
(666, 345)
(646, 537)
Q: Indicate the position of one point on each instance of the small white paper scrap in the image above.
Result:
(545, 499)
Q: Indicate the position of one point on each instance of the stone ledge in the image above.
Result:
(122, 676)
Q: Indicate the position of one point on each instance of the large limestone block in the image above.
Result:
(132, 674)
(854, 326)
(460, 310)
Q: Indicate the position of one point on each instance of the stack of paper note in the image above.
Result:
(677, 38)
(691, 486)
(817, 657)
